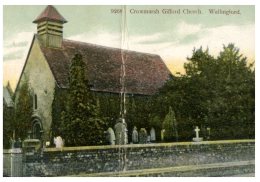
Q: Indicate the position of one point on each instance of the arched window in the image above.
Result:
(35, 101)
(37, 129)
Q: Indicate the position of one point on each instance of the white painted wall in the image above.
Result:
(41, 82)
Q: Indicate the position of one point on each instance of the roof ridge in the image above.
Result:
(115, 48)
(50, 13)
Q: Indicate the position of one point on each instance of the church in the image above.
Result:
(48, 61)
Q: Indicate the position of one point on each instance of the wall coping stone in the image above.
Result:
(79, 148)
(12, 151)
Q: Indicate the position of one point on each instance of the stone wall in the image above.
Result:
(97, 159)
(13, 162)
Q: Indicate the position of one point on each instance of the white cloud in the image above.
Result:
(18, 43)
(184, 29)
(15, 50)
(100, 38)
(145, 38)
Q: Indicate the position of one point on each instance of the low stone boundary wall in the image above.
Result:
(13, 162)
(97, 159)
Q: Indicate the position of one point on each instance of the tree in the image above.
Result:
(8, 119)
(58, 106)
(8, 125)
(170, 126)
(233, 107)
(23, 112)
(215, 92)
(81, 123)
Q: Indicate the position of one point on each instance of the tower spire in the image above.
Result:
(50, 27)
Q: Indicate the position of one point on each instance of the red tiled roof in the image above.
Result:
(50, 13)
(145, 73)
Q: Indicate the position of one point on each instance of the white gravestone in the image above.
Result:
(121, 132)
(135, 135)
(111, 136)
(58, 142)
(197, 138)
(152, 134)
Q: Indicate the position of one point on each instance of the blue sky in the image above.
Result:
(172, 36)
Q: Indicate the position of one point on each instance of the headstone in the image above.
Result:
(152, 134)
(162, 134)
(197, 138)
(58, 142)
(135, 135)
(148, 139)
(121, 132)
(111, 138)
(142, 136)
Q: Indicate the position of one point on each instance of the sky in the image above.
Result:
(172, 36)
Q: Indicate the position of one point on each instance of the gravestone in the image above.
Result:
(142, 136)
(111, 138)
(197, 138)
(148, 139)
(121, 132)
(135, 135)
(58, 142)
(152, 134)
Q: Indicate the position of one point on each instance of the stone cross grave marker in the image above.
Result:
(135, 135)
(197, 138)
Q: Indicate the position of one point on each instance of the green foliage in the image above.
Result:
(58, 106)
(23, 112)
(215, 92)
(170, 126)
(8, 120)
(138, 110)
(8, 125)
(81, 123)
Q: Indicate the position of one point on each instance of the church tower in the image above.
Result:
(50, 27)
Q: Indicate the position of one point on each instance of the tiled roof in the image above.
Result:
(50, 13)
(145, 73)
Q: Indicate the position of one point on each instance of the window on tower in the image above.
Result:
(35, 101)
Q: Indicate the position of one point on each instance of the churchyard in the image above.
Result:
(103, 111)
(171, 145)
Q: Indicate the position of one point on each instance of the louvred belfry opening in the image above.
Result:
(50, 27)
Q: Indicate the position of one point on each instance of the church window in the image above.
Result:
(35, 101)
(37, 129)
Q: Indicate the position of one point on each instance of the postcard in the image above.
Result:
(129, 90)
